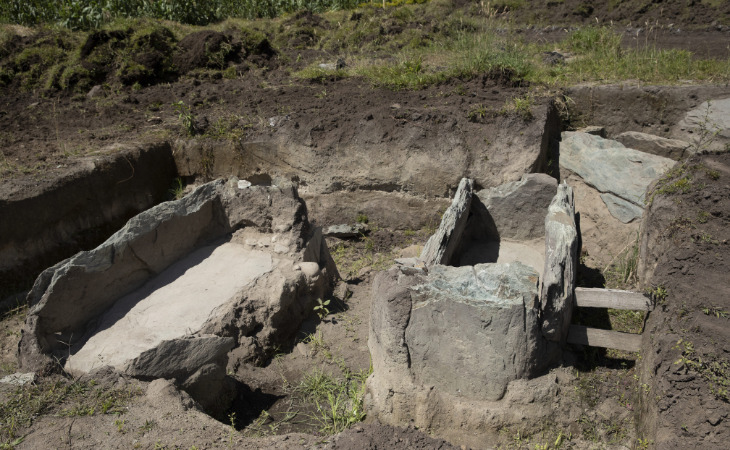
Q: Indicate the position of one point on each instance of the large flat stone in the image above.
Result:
(175, 304)
(713, 117)
(619, 208)
(610, 167)
(648, 143)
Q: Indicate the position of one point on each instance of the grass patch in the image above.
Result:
(61, 397)
(338, 401)
(715, 370)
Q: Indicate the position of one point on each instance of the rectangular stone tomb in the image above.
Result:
(182, 285)
(482, 313)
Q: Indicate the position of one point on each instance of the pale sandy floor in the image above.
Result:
(175, 303)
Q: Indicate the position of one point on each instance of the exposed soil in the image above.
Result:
(64, 127)
(236, 84)
(686, 369)
(639, 13)
(709, 43)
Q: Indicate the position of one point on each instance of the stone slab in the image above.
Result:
(610, 167)
(714, 116)
(619, 208)
(440, 247)
(656, 145)
(172, 305)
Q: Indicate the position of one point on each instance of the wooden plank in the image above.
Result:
(578, 334)
(612, 298)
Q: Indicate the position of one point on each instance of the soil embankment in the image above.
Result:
(685, 250)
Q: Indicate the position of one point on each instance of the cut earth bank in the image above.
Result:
(154, 258)
(395, 157)
(598, 193)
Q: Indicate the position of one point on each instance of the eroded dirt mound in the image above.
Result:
(686, 251)
(198, 48)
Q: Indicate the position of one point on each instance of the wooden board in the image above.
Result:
(578, 334)
(612, 298)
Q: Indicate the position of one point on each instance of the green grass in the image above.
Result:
(62, 397)
(84, 15)
(338, 401)
(456, 44)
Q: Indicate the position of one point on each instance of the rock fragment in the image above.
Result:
(648, 143)
(441, 246)
(558, 281)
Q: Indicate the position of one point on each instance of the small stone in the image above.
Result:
(19, 379)
(243, 184)
(395, 106)
(343, 231)
(303, 349)
(278, 248)
(364, 271)
(96, 91)
(342, 291)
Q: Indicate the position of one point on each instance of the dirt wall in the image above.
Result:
(630, 107)
(46, 221)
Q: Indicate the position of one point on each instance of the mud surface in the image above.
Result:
(687, 345)
(639, 13)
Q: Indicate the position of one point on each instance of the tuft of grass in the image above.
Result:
(178, 189)
(187, 120)
(338, 401)
(715, 370)
(61, 397)
(522, 106)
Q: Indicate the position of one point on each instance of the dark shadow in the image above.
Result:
(260, 179)
(479, 243)
(249, 404)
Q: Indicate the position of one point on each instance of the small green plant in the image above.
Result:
(714, 175)
(120, 426)
(322, 94)
(148, 425)
(178, 190)
(477, 113)
(703, 217)
(716, 311)
(136, 86)
(362, 218)
(716, 371)
(321, 308)
(186, 117)
(660, 294)
(231, 429)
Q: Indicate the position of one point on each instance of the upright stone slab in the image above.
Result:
(441, 246)
(714, 117)
(518, 209)
(561, 249)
